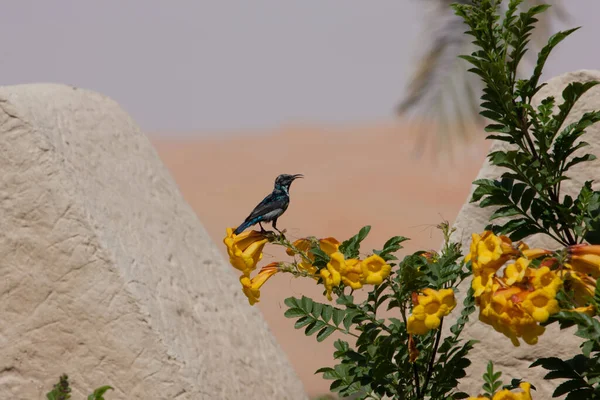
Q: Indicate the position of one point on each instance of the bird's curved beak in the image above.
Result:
(296, 176)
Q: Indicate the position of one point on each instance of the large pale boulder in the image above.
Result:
(514, 361)
(107, 274)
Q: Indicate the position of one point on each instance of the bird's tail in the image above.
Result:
(245, 225)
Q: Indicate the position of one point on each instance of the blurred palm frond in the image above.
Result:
(441, 91)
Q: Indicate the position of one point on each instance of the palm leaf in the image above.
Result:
(441, 91)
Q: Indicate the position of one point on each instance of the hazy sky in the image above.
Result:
(229, 65)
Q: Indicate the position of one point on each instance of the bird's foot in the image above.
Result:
(271, 235)
(281, 233)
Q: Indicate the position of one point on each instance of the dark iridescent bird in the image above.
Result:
(272, 206)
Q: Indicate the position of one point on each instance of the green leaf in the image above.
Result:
(580, 394)
(503, 138)
(526, 199)
(484, 187)
(491, 379)
(350, 248)
(517, 191)
(338, 316)
(328, 373)
(61, 390)
(325, 333)
(314, 327)
(555, 364)
(294, 313)
(553, 41)
(497, 128)
(321, 258)
(578, 160)
(327, 312)
(495, 200)
(348, 319)
(99, 393)
(317, 308)
(391, 246)
(302, 322)
(569, 386)
(523, 231)
(537, 209)
(306, 304)
(291, 302)
(506, 211)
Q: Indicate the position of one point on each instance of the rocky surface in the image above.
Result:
(515, 361)
(107, 274)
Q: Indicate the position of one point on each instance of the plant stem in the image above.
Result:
(415, 368)
(379, 324)
(525, 133)
(344, 331)
(416, 373)
(432, 359)
(569, 238)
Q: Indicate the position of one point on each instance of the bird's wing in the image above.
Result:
(269, 203)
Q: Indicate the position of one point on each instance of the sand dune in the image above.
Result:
(353, 177)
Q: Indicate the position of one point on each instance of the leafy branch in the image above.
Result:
(62, 391)
(541, 149)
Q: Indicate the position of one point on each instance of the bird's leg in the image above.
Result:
(262, 230)
(275, 226)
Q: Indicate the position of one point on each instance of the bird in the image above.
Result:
(272, 206)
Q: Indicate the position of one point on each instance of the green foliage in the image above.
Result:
(390, 247)
(492, 380)
(378, 357)
(319, 318)
(375, 361)
(62, 391)
(577, 375)
(542, 150)
(452, 354)
(581, 373)
(351, 247)
(99, 393)
(493, 384)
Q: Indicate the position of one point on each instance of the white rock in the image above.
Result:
(107, 274)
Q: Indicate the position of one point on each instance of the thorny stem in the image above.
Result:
(433, 353)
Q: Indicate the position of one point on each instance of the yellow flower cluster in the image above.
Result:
(515, 301)
(429, 308)
(350, 272)
(328, 246)
(508, 395)
(245, 251)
